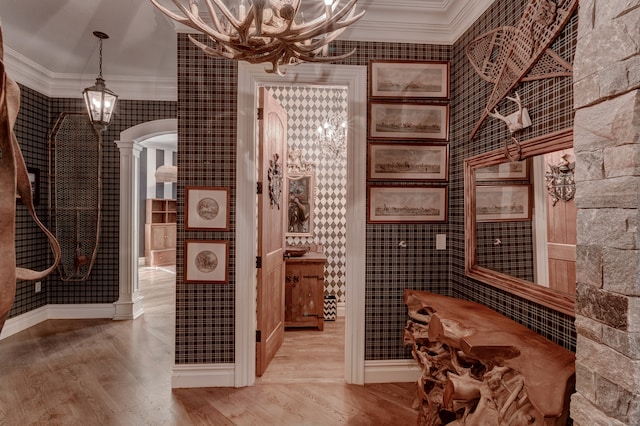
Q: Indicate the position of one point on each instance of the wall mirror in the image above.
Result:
(301, 194)
(518, 237)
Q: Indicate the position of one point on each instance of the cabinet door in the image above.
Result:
(160, 237)
(304, 295)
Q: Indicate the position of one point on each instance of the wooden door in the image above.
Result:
(561, 235)
(272, 134)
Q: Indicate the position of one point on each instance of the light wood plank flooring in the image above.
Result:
(102, 372)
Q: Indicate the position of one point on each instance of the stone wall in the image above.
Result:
(607, 146)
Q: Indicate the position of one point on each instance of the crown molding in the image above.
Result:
(414, 21)
(58, 85)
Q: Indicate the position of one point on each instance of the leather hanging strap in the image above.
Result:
(14, 179)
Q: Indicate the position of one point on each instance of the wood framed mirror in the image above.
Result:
(516, 240)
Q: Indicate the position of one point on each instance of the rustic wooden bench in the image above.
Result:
(480, 367)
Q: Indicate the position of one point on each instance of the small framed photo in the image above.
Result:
(388, 120)
(207, 208)
(300, 204)
(503, 203)
(407, 204)
(409, 80)
(34, 180)
(206, 261)
(511, 170)
(392, 161)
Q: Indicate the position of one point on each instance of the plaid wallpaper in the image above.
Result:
(206, 110)
(36, 118)
(550, 105)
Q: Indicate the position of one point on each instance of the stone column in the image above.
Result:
(607, 146)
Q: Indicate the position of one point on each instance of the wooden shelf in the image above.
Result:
(160, 232)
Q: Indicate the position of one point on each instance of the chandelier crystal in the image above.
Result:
(266, 31)
(332, 135)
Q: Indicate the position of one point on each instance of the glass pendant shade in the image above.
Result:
(100, 102)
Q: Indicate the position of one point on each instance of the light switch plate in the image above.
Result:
(441, 241)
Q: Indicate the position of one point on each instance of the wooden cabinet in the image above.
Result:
(304, 291)
(160, 232)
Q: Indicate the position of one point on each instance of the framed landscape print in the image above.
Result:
(393, 161)
(409, 80)
(206, 261)
(502, 203)
(207, 208)
(398, 204)
(388, 120)
(511, 170)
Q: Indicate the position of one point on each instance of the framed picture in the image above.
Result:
(390, 161)
(396, 79)
(511, 170)
(408, 121)
(207, 208)
(502, 203)
(300, 204)
(34, 180)
(206, 261)
(398, 204)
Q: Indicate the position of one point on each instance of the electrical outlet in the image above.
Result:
(38, 286)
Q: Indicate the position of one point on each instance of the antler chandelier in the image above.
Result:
(267, 31)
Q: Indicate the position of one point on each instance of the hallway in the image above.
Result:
(104, 372)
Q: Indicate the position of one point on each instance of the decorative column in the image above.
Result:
(129, 305)
(607, 146)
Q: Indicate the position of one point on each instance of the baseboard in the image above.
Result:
(203, 376)
(22, 322)
(392, 371)
(90, 310)
(342, 309)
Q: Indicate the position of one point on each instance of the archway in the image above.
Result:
(129, 304)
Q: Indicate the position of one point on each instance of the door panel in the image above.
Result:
(272, 135)
(561, 236)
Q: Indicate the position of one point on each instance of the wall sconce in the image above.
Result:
(99, 100)
(561, 184)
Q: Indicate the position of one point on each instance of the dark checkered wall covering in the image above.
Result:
(207, 99)
(37, 116)
(207, 102)
(306, 109)
(550, 105)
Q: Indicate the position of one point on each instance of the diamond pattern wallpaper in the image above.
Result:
(307, 109)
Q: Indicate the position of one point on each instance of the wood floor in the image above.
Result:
(103, 372)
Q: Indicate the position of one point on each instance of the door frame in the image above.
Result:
(354, 78)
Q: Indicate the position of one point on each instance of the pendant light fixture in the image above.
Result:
(265, 31)
(99, 100)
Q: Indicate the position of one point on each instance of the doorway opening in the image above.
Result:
(354, 79)
(315, 175)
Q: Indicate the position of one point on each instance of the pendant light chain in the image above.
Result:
(100, 69)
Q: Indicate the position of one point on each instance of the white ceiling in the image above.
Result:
(50, 46)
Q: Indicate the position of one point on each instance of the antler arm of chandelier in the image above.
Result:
(266, 33)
